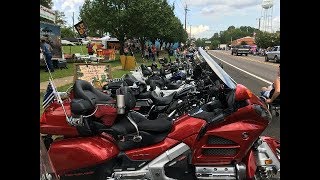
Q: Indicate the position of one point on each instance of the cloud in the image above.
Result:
(220, 8)
(68, 7)
(241, 4)
(197, 31)
(236, 4)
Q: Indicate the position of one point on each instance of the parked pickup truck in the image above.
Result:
(240, 49)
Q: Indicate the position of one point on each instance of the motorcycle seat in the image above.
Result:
(129, 79)
(152, 131)
(162, 101)
(145, 70)
(156, 82)
(174, 85)
(145, 95)
(84, 90)
(210, 107)
(113, 86)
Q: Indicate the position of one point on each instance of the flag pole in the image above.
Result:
(55, 91)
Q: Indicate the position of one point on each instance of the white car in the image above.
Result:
(274, 54)
(83, 41)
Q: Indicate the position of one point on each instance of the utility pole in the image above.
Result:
(259, 23)
(73, 22)
(185, 17)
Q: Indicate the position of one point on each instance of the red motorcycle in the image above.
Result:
(219, 140)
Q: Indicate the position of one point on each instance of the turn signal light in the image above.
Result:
(249, 93)
(268, 161)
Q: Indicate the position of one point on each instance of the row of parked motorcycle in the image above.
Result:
(185, 119)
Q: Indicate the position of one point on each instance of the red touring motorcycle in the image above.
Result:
(218, 140)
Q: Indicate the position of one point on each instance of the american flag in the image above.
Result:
(48, 97)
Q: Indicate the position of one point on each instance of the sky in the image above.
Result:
(205, 17)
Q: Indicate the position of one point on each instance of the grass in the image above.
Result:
(75, 49)
(58, 73)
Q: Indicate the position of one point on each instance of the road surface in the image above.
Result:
(252, 72)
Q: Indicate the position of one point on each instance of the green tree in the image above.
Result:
(215, 36)
(233, 33)
(66, 32)
(60, 18)
(231, 28)
(199, 42)
(46, 3)
(266, 39)
(215, 43)
(124, 19)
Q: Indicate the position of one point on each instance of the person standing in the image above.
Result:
(90, 48)
(154, 52)
(47, 51)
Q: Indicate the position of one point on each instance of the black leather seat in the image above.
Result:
(145, 95)
(160, 125)
(130, 79)
(162, 101)
(145, 70)
(151, 131)
(84, 90)
(153, 83)
(86, 97)
(174, 85)
(113, 86)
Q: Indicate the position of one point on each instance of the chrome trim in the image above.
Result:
(155, 169)
(156, 166)
(264, 152)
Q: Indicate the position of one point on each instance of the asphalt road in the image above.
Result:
(252, 72)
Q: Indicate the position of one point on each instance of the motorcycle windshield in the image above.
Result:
(225, 78)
